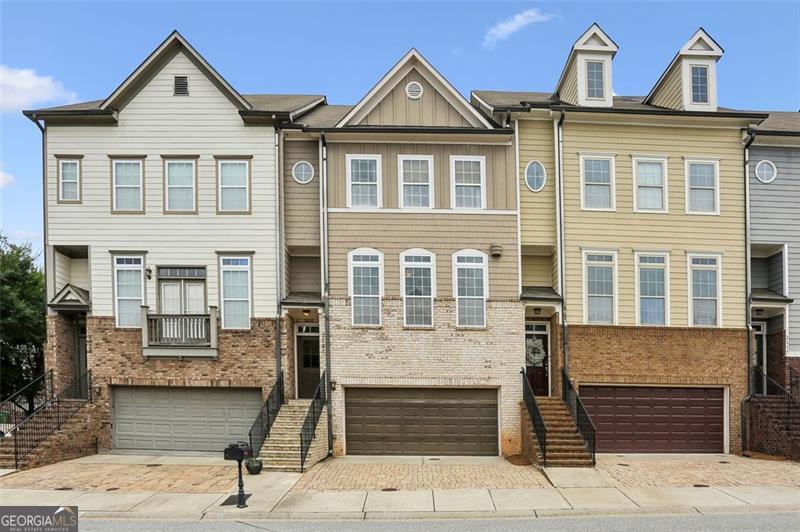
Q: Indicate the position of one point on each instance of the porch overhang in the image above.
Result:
(71, 298)
(540, 293)
(763, 295)
(302, 300)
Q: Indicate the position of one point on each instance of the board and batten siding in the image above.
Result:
(676, 232)
(155, 122)
(500, 192)
(670, 94)
(301, 201)
(537, 209)
(775, 219)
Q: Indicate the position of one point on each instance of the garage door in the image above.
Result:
(182, 419)
(642, 419)
(417, 421)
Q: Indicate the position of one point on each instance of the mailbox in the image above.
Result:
(238, 451)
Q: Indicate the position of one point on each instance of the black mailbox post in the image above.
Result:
(239, 451)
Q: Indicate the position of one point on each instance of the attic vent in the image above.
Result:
(414, 90)
(181, 86)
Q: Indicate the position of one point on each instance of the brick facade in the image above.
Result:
(664, 356)
(393, 355)
(60, 349)
(776, 357)
(772, 429)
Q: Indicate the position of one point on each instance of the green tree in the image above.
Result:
(22, 317)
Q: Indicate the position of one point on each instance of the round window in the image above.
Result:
(303, 172)
(414, 90)
(535, 176)
(766, 171)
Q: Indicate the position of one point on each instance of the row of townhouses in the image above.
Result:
(420, 273)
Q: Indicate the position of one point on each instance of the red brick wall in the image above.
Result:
(80, 436)
(776, 357)
(59, 350)
(768, 432)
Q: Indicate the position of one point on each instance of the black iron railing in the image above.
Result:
(269, 411)
(535, 416)
(579, 414)
(794, 381)
(785, 404)
(51, 416)
(312, 418)
(25, 401)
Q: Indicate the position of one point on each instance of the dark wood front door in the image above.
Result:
(307, 366)
(537, 358)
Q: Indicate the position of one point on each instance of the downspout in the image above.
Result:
(279, 248)
(326, 289)
(43, 129)
(559, 142)
(744, 419)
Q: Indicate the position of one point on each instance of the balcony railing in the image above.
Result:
(197, 333)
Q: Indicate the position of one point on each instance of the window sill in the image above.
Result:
(598, 209)
(369, 327)
(471, 328)
(698, 213)
(419, 328)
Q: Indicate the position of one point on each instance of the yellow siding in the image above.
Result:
(301, 202)
(305, 274)
(569, 92)
(536, 270)
(675, 231)
(537, 209)
(670, 93)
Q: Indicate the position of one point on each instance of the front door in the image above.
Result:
(307, 361)
(537, 357)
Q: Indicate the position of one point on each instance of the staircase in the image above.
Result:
(565, 446)
(775, 425)
(281, 450)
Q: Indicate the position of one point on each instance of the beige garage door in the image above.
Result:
(416, 421)
(182, 419)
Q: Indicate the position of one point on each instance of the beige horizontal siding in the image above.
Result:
(537, 270)
(62, 270)
(675, 232)
(305, 274)
(670, 94)
(80, 273)
(301, 202)
(537, 209)
(569, 92)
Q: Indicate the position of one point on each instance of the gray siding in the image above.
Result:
(774, 219)
(759, 272)
(775, 273)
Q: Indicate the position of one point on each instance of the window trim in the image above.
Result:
(485, 267)
(165, 198)
(375, 253)
(401, 180)
(666, 256)
(249, 269)
(663, 159)
(689, 268)
(525, 175)
(115, 270)
(583, 157)
(686, 72)
(294, 174)
(701, 160)
(470, 158)
(418, 252)
(705, 67)
(246, 159)
(140, 162)
(768, 163)
(60, 160)
(615, 279)
(379, 176)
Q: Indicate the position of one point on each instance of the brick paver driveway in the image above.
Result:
(690, 470)
(405, 473)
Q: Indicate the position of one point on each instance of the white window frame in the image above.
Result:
(636, 256)
(583, 157)
(664, 182)
(350, 264)
(140, 268)
(379, 176)
(247, 204)
(770, 164)
(417, 252)
(602, 64)
(686, 72)
(401, 180)
(467, 158)
(167, 186)
(689, 269)
(222, 298)
(485, 267)
(61, 197)
(700, 160)
(294, 172)
(581, 64)
(614, 277)
(525, 175)
(114, 185)
(691, 83)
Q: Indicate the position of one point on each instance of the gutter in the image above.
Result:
(326, 287)
(744, 418)
(772, 133)
(43, 130)
(413, 130)
(661, 112)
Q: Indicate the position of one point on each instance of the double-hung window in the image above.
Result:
(128, 290)
(652, 276)
(234, 185)
(416, 180)
(179, 185)
(127, 179)
(418, 271)
(235, 275)
(366, 286)
(364, 181)
(600, 296)
(699, 84)
(704, 289)
(702, 187)
(468, 178)
(650, 181)
(597, 177)
(471, 288)
(69, 183)
(595, 87)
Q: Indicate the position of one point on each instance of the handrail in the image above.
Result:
(179, 329)
(583, 421)
(266, 417)
(535, 416)
(51, 416)
(35, 394)
(791, 404)
(307, 433)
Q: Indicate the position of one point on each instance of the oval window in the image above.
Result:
(766, 171)
(535, 176)
(303, 172)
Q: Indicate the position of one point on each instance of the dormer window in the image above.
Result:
(699, 84)
(181, 86)
(594, 80)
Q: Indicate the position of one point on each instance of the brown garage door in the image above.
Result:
(415, 421)
(642, 419)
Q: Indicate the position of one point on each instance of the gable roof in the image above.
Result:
(413, 59)
(71, 297)
(594, 39)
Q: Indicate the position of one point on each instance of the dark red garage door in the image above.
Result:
(644, 419)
